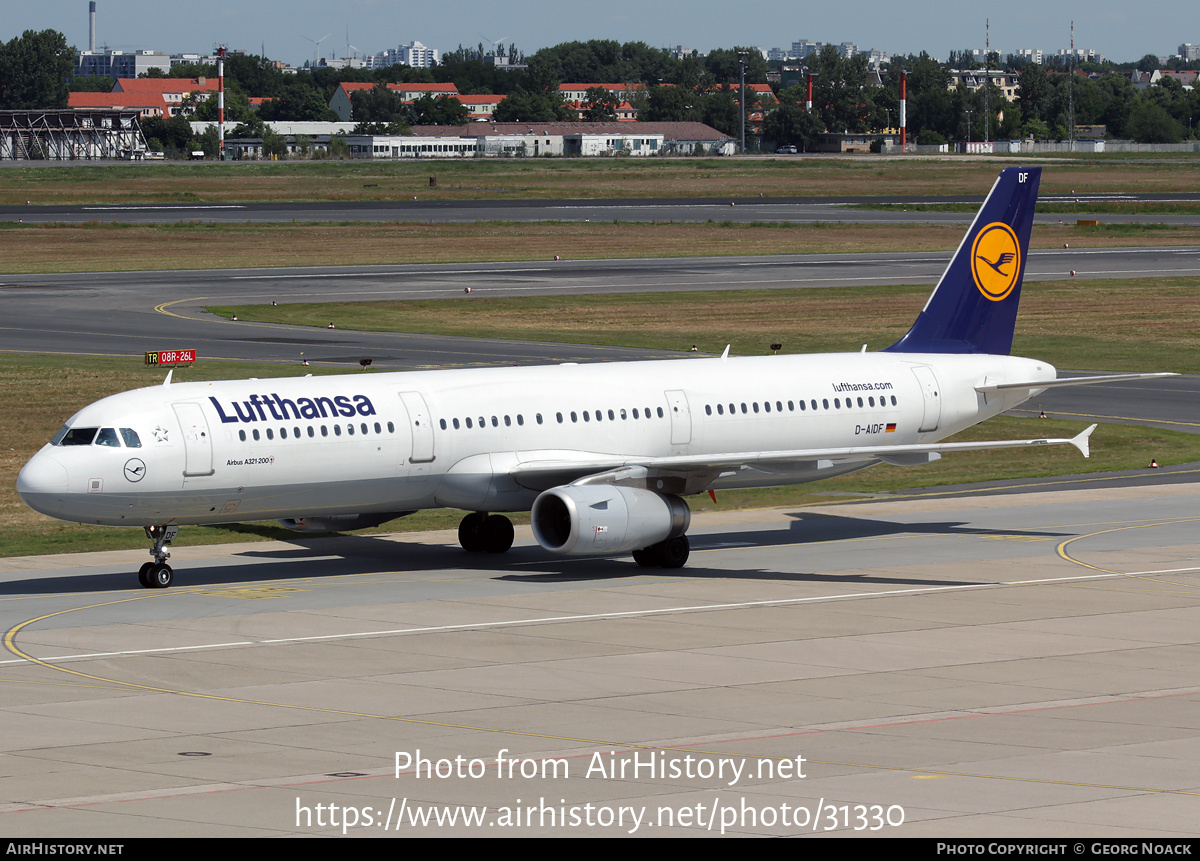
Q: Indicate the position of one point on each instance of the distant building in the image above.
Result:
(856, 141)
(121, 64)
(1186, 77)
(804, 48)
(417, 56)
(414, 54)
(1189, 51)
(1082, 55)
(344, 63)
(505, 64)
(341, 105)
(1006, 82)
(146, 104)
(545, 139)
(578, 92)
(173, 91)
(64, 135)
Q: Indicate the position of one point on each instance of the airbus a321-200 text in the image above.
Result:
(602, 455)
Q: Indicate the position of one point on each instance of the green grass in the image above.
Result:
(573, 178)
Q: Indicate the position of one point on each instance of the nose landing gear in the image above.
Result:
(158, 574)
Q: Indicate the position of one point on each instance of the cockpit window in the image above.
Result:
(132, 440)
(76, 436)
(108, 436)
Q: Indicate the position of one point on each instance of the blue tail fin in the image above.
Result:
(973, 309)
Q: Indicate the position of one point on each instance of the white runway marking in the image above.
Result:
(591, 617)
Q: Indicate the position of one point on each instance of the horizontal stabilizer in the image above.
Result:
(1069, 381)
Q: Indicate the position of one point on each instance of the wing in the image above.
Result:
(687, 474)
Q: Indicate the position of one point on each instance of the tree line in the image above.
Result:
(36, 72)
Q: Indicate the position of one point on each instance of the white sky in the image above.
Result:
(1120, 29)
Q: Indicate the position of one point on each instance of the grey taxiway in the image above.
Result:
(794, 210)
(1008, 666)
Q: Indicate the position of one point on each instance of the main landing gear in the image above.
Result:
(672, 553)
(158, 574)
(482, 532)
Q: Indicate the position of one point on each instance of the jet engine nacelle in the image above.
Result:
(339, 522)
(594, 519)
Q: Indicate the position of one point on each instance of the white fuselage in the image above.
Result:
(376, 443)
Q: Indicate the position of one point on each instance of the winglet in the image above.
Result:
(1080, 441)
(725, 355)
(167, 381)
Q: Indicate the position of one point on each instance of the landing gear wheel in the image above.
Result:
(161, 576)
(471, 533)
(158, 574)
(674, 552)
(497, 534)
(647, 557)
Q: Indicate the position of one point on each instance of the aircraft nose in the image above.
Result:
(43, 474)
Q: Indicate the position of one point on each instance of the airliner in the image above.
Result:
(601, 455)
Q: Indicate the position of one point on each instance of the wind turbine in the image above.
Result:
(317, 45)
(493, 42)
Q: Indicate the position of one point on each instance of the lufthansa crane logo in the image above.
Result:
(135, 469)
(996, 260)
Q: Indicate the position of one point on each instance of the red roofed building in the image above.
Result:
(146, 105)
(173, 91)
(481, 107)
(626, 113)
(578, 92)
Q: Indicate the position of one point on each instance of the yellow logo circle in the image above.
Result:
(996, 260)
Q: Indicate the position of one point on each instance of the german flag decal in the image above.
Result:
(891, 428)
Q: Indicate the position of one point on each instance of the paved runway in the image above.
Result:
(129, 313)
(1004, 665)
(797, 210)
